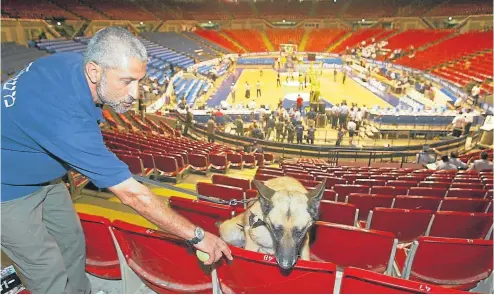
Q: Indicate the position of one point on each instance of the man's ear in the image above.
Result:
(314, 198)
(265, 195)
(93, 72)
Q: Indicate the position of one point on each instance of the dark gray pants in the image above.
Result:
(42, 235)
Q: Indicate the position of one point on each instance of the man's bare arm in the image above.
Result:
(156, 210)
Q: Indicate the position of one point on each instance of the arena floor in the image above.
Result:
(333, 92)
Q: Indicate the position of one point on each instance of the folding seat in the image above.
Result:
(427, 191)
(370, 182)
(336, 212)
(451, 263)
(134, 163)
(295, 171)
(332, 181)
(367, 202)
(416, 177)
(264, 177)
(222, 192)
(434, 184)
(349, 177)
(406, 224)
(168, 168)
(272, 169)
(148, 163)
(231, 181)
(351, 246)
(249, 161)
(463, 205)
(268, 159)
(101, 254)
(219, 163)
(462, 225)
(270, 172)
(359, 281)
(467, 185)
(329, 195)
(445, 178)
(467, 180)
(164, 262)
(388, 190)
(465, 193)
(253, 272)
(401, 183)
(416, 202)
(383, 177)
(344, 190)
(309, 183)
(199, 163)
(300, 176)
(259, 159)
(202, 213)
(488, 186)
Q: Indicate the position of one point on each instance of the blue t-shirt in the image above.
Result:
(49, 124)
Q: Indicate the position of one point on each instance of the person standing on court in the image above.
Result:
(299, 129)
(49, 124)
(300, 102)
(247, 90)
(335, 73)
(278, 82)
(258, 86)
(233, 89)
(344, 77)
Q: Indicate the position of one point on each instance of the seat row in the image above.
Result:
(137, 255)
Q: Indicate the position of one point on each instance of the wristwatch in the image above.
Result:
(198, 236)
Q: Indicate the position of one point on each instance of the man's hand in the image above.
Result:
(215, 247)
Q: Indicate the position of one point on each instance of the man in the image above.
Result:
(335, 73)
(311, 118)
(358, 118)
(344, 77)
(335, 115)
(453, 159)
(458, 123)
(445, 164)
(252, 104)
(247, 90)
(188, 121)
(233, 89)
(299, 129)
(343, 113)
(300, 102)
(427, 155)
(258, 87)
(468, 121)
(239, 126)
(270, 124)
(475, 93)
(478, 165)
(278, 82)
(300, 81)
(352, 126)
(311, 134)
(211, 128)
(224, 104)
(339, 137)
(290, 128)
(256, 148)
(49, 124)
(279, 126)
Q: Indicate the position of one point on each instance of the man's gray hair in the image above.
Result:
(112, 47)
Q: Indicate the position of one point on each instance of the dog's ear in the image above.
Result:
(314, 198)
(265, 195)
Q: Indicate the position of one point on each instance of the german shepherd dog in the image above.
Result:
(278, 222)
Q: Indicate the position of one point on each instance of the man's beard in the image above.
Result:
(118, 105)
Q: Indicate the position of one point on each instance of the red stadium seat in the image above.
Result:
(264, 170)
(249, 161)
(465, 193)
(163, 262)
(329, 195)
(332, 181)
(460, 225)
(147, 163)
(300, 176)
(134, 163)
(434, 184)
(367, 202)
(407, 225)
(236, 160)
(467, 185)
(370, 182)
(344, 190)
(221, 192)
(350, 246)
(264, 177)
(427, 191)
(463, 205)
(336, 212)
(359, 281)
(231, 181)
(417, 202)
(259, 159)
(264, 275)
(389, 190)
(101, 254)
(437, 260)
(402, 183)
(219, 163)
(199, 163)
(168, 167)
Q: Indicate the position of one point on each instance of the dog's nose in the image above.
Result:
(286, 264)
